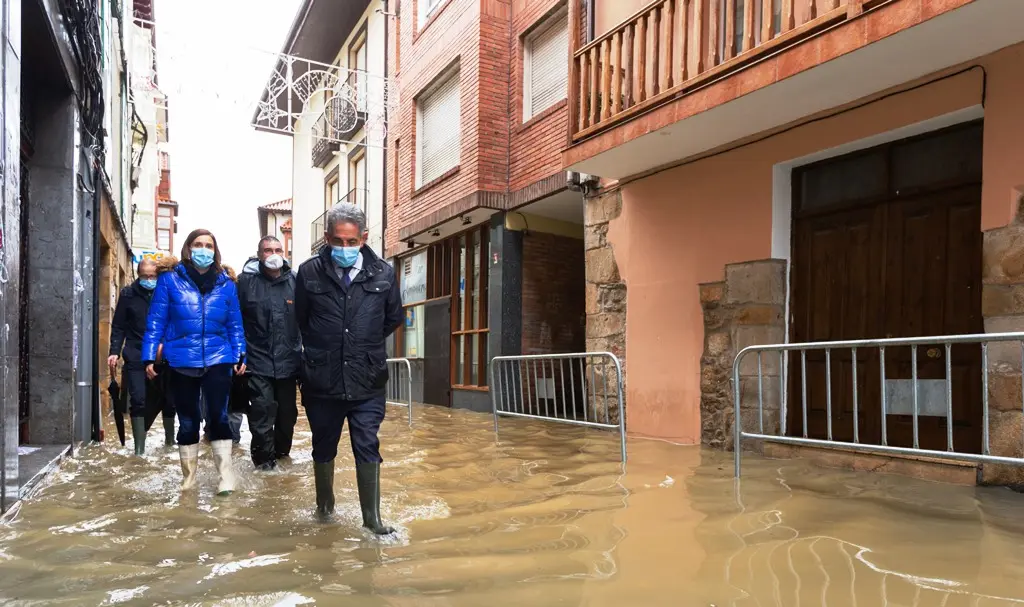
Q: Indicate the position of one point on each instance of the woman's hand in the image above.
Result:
(240, 369)
(151, 371)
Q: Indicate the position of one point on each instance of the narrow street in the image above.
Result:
(541, 517)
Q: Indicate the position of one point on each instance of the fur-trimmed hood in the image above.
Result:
(168, 263)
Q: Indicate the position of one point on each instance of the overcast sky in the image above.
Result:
(221, 168)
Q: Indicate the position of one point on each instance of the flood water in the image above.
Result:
(542, 516)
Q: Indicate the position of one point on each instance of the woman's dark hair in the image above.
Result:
(186, 249)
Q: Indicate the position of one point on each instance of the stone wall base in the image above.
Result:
(743, 310)
(1002, 305)
(605, 297)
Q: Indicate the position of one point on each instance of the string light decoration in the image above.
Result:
(300, 97)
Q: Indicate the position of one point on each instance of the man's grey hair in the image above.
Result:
(345, 212)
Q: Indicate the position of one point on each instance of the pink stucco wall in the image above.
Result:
(680, 227)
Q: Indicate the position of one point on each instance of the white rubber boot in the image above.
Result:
(189, 455)
(222, 459)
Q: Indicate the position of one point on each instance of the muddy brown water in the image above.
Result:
(543, 516)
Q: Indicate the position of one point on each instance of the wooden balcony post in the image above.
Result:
(713, 34)
(595, 86)
(854, 8)
(617, 74)
(684, 47)
(788, 11)
(642, 68)
(730, 30)
(606, 78)
(584, 91)
(575, 96)
(630, 73)
(767, 15)
(670, 43)
(748, 25)
(698, 34)
(656, 51)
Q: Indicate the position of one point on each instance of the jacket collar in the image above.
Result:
(140, 290)
(183, 273)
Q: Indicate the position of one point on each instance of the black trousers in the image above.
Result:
(272, 416)
(146, 398)
(188, 391)
(326, 419)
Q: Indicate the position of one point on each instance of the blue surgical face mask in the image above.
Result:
(345, 256)
(148, 283)
(202, 258)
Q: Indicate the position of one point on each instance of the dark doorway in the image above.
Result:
(887, 242)
(437, 342)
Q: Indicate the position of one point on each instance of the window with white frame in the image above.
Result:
(438, 129)
(427, 9)
(546, 65)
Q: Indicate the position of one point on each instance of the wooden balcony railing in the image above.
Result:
(670, 47)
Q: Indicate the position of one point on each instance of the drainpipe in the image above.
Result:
(590, 19)
(11, 166)
(384, 188)
(97, 425)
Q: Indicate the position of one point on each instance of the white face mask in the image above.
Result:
(274, 262)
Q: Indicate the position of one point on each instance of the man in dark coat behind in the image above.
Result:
(266, 292)
(126, 331)
(347, 303)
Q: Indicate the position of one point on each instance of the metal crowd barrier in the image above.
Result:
(947, 341)
(399, 389)
(566, 388)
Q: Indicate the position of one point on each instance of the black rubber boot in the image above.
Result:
(139, 434)
(169, 430)
(368, 481)
(323, 474)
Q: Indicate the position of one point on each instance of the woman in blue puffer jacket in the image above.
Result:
(194, 313)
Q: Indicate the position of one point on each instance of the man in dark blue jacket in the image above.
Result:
(347, 303)
(126, 331)
(266, 294)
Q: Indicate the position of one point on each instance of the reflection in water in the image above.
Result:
(544, 516)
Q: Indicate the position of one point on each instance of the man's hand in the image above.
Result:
(240, 369)
(112, 363)
(151, 371)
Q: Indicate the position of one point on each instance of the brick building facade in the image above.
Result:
(494, 234)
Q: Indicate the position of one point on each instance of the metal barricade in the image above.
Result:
(399, 388)
(566, 388)
(914, 411)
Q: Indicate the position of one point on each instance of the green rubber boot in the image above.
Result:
(323, 474)
(368, 481)
(169, 430)
(139, 434)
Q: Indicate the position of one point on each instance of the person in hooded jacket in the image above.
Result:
(266, 291)
(126, 332)
(347, 303)
(195, 314)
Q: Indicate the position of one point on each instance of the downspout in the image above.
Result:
(589, 4)
(384, 198)
(94, 392)
(4, 161)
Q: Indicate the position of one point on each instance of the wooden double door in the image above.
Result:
(888, 243)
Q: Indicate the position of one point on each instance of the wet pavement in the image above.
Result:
(542, 516)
